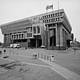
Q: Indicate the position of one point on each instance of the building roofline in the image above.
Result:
(27, 18)
(68, 21)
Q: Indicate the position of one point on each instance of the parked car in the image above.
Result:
(15, 46)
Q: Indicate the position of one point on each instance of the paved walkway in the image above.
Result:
(69, 75)
(24, 62)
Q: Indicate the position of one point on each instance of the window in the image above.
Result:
(17, 36)
(38, 29)
(29, 29)
(56, 14)
(53, 20)
(61, 13)
(22, 36)
(34, 29)
(47, 16)
(43, 21)
(61, 18)
(43, 17)
(12, 36)
(56, 19)
(51, 15)
(47, 21)
(29, 35)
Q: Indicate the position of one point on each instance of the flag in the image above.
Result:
(49, 7)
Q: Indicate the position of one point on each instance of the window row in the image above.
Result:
(52, 15)
(52, 20)
(17, 36)
(29, 29)
(36, 29)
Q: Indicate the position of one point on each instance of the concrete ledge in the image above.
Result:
(57, 48)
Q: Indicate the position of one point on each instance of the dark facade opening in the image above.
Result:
(53, 41)
(68, 43)
(34, 43)
(53, 37)
(39, 41)
(19, 40)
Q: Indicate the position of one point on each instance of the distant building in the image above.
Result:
(51, 29)
(75, 43)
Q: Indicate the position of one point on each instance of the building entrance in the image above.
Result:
(52, 41)
(68, 43)
(53, 37)
(35, 43)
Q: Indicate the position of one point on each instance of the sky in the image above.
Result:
(11, 10)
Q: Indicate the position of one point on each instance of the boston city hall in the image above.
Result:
(51, 30)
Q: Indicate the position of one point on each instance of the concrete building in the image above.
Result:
(51, 29)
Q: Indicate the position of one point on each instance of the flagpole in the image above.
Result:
(58, 4)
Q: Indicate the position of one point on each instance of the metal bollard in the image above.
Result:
(52, 58)
(4, 51)
(35, 55)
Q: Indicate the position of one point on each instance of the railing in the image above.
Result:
(43, 56)
(35, 55)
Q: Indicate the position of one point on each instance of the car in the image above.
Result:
(18, 46)
(15, 46)
(42, 46)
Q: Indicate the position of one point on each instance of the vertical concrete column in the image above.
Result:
(18, 35)
(57, 36)
(61, 37)
(27, 44)
(9, 39)
(48, 36)
(36, 42)
(46, 39)
(43, 38)
(4, 38)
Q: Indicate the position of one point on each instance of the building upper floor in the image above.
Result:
(28, 24)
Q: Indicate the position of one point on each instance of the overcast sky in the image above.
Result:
(11, 10)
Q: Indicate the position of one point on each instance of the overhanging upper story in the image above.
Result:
(53, 17)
